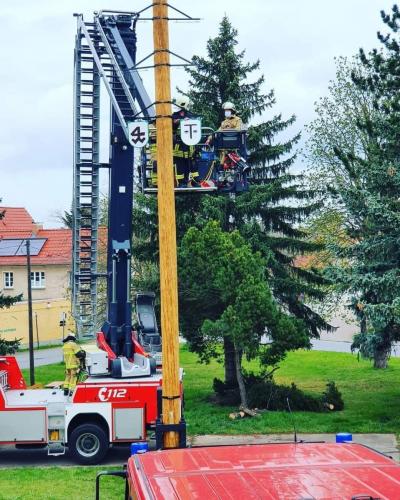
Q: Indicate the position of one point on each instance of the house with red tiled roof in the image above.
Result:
(50, 251)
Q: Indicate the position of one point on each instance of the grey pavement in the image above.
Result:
(11, 458)
(117, 456)
(342, 346)
(41, 357)
(384, 443)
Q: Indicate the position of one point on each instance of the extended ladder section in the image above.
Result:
(101, 55)
(85, 205)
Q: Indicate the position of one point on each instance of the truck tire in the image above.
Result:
(88, 444)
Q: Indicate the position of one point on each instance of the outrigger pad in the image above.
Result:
(142, 366)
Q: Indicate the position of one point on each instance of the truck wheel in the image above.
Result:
(88, 444)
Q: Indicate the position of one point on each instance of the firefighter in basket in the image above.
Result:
(232, 165)
(231, 121)
(73, 355)
(185, 169)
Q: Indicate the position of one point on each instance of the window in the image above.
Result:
(38, 279)
(8, 280)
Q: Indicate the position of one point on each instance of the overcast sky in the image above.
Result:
(296, 41)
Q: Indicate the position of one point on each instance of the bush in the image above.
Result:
(265, 393)
(226, 394)
(271, 396)
(9, 346)
(333, 396)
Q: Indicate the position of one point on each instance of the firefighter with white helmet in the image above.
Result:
(183, 154)
(182, 102)
(232, 121)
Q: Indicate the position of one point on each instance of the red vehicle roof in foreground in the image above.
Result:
(270, 471)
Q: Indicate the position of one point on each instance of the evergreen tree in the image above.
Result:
(269, 215)
(243, 305)
(371, 201)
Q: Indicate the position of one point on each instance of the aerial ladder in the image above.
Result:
(105, 56)
(105, 52)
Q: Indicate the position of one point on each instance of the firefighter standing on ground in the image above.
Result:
(70, 350)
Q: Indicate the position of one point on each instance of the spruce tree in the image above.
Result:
(372, 202)
(270, 215)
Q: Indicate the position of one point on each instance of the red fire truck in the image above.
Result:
(102, 411)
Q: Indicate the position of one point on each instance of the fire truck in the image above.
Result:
(120, 399)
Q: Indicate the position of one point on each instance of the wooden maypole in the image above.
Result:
(171, 408)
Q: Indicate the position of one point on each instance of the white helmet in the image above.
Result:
(182, 102)
(229, 105)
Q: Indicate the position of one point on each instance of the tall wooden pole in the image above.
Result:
(30, 323)
(171, 407)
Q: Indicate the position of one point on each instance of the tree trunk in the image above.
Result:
(381, 357)
(239, 376)
(230, 368)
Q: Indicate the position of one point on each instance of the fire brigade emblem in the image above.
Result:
(138, 133)
(191, 131)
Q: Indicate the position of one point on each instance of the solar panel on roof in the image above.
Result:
(35, 247)
(12, 247)
(9, 247)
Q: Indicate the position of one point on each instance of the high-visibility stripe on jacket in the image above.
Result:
(179, 151)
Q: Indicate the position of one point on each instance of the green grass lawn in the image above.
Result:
(56, 483)
(372, 397)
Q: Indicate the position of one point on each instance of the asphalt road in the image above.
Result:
(11, 457)
(118, 456)
(342, 346)
(41, 357)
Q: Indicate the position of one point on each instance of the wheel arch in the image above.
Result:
(88, 418)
